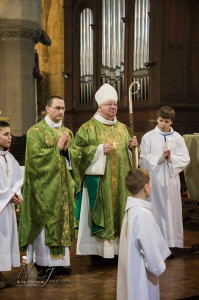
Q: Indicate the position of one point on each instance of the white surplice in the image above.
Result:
(11, 180)
(38, 252)
(165, 196)
(142, 253)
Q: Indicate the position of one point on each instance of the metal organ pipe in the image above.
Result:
(135, 38)
(109, 32)
(86, 56)
(112, 70)
(139, 36)
(113, 42)
(141, 48)
(142, 37)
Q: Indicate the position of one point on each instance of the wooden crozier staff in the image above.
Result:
(131, 116)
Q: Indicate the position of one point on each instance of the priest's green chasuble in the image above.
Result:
(107, 193)
(49, 189)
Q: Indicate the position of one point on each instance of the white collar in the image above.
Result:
(162, 132)
(51, 123)
(2, 152)
(133, 202)
(105, 121)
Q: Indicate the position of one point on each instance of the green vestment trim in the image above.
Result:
(49, 189)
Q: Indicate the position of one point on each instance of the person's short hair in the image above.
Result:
(4, 124)
(136, 179)
(166, 112)
(49, 100)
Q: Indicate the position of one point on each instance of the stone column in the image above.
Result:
(20, 29)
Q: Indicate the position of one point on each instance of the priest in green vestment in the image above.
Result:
(106, 158)
(47, 214)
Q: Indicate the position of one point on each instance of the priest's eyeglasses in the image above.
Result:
(58, 108)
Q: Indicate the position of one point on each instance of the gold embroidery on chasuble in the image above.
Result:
(59, 256)
(112, 135)
(114, 179)
(64, 218)
(64, 234)
(57, 133)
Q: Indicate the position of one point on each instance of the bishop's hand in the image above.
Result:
(133, 142)
(107, 148)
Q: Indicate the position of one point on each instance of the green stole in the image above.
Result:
(92, 184)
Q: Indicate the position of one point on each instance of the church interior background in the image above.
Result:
(71, 47)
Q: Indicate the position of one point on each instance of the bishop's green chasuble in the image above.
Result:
(49, 189)
(107, 194)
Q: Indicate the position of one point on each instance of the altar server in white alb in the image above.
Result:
(164, 154)
(142, 248)
(11, 181)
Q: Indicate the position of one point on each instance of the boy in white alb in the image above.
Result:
(142, 248)
(164, 154)
(11, 181)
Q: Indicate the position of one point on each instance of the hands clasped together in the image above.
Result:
(166, 154)
(63, 142)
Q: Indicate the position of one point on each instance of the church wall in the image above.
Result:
(51, 59)
(19, 31)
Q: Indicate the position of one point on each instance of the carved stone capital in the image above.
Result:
(19, 33)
